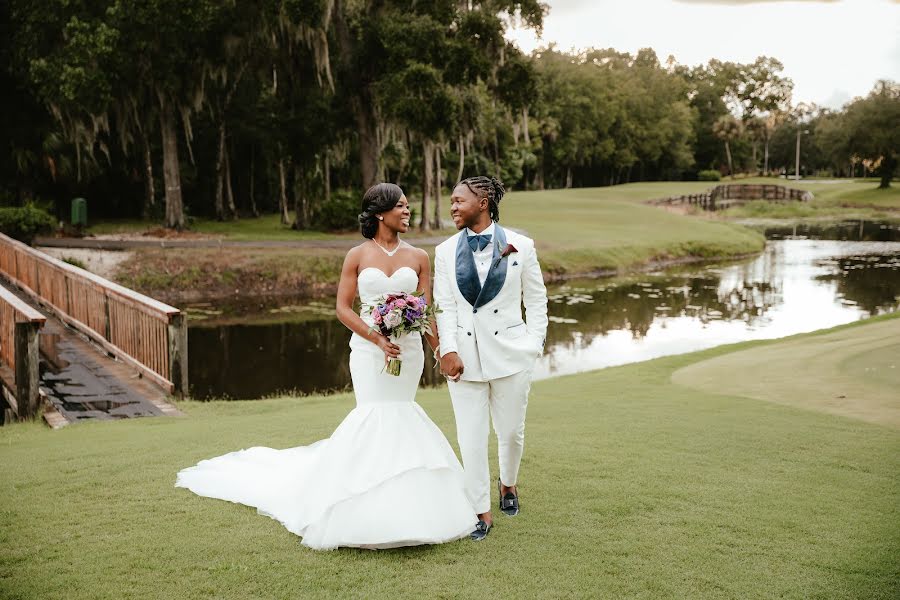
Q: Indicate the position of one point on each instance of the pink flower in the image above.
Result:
(400, 303)
(377, 318)
(392, 319)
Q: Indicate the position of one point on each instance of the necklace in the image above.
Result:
(385, 250)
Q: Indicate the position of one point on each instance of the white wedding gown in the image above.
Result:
(385, 478)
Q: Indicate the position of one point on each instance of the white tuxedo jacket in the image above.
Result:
(484, 325)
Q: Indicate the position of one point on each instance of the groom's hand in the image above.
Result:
(452, 365)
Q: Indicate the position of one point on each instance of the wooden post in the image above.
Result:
(178, 354)
(27, 374)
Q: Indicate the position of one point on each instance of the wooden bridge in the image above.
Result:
(725, 195)
(107, 351)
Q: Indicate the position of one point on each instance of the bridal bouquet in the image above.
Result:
(402, 313)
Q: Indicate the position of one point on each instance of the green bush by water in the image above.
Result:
(25, 223)
(709, 175)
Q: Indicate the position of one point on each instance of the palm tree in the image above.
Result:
(727, 128)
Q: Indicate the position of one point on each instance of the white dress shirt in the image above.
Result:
(484, 256)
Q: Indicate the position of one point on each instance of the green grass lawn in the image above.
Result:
(849, 199)
(632, 486)
(599, 229)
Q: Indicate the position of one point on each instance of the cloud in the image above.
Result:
(746, 2)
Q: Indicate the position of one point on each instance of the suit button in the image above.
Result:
(495, 310)
(474, 310)
(496, 332)
(469, 332)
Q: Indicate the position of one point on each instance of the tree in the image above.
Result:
(728, 129)
(873, 125)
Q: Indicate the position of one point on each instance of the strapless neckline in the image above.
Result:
(385, 274)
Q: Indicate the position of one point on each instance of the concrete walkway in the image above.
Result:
(130, 244)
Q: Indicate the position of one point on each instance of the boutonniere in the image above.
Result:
(508, 250)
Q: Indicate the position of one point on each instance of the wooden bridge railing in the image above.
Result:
(143, 332)
(711, 198)
(19, 325)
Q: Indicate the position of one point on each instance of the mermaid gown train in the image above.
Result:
(386, 477)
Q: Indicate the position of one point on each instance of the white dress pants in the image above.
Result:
(503, 401)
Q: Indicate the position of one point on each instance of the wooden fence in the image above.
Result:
(729, 194)
(19, 360)
(147, 334)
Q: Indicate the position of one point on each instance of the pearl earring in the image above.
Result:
(381, 218)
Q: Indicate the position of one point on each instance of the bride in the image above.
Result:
(387, 476)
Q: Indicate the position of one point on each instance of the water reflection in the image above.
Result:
(855, 231)
(794, 286)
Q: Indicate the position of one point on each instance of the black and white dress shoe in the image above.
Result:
(509, 502)
(481, 531)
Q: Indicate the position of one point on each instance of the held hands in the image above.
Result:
(452, 366)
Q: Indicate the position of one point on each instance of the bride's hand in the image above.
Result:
(390, 349)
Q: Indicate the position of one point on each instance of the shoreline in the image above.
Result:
(289, 287)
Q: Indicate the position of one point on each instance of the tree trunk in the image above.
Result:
(888, 166)
(728, 154)
(438, 184)
(301, 202)
(149, 187)
(229, 194)
(766, 159)
(171, 168)
(424, 224)
(220, 174)
(525, 126)
(496, 153)
(282, 197)
(327, 178)
(568, 177)
(462, 158)
(362, 103)
(253, 209)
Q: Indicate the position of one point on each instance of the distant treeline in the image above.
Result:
(164, 108)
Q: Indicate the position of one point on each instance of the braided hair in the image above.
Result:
(489, 188)
(379, 198)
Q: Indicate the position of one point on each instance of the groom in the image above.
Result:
(483, 276)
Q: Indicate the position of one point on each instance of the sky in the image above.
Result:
(833, 50)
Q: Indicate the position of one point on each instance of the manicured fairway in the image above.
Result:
(632, 486)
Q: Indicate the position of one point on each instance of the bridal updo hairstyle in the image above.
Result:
(379, 198)
(487, 187)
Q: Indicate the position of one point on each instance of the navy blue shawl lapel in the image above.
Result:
(496, 277)
(466, 273)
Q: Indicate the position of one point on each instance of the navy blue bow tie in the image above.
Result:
(479, 242)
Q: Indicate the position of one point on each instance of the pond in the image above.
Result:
(255, 349)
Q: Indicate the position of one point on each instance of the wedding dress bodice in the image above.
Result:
(373, 284)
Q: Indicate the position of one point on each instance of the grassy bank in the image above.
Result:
(579, 232)
(632, 485)
(584, 231)
(847, 199)
(188, 274)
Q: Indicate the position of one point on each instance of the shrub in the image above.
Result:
(340, 213)
(709, 175)
(25, 223)
(74, 262)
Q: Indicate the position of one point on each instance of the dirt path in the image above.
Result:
(133, 244)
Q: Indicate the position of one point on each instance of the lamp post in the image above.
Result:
(801, 112)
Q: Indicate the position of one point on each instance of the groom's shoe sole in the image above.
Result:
(481, 531)
(509, 503)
